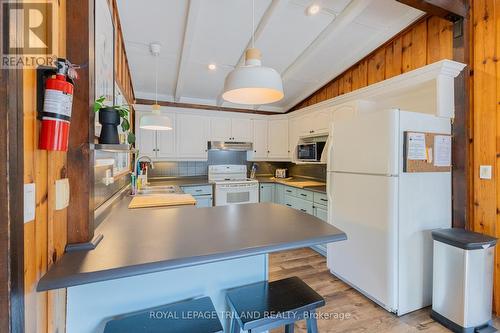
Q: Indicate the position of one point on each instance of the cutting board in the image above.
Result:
(302, 183)
(162, 200)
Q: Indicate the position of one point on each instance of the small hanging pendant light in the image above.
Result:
(253, 83)
(155, 121)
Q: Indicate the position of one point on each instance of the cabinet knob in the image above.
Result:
(255, 151)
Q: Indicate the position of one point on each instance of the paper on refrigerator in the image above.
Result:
(416, 147)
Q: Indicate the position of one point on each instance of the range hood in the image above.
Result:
(230, 145)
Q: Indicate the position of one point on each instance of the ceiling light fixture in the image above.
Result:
(313, 9)
(253, 83)
(155, 121)
(212, 67)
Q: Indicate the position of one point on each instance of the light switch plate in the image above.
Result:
(29, 202)
(485, 171)
(62, 193)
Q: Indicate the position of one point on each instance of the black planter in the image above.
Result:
(109, 118)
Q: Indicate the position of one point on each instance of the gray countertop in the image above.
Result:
(271, 179)
(143, 241)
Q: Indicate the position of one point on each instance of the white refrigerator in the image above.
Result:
(387, 214)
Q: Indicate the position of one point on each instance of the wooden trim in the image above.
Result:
(202, 107)
(11, 204)
(451, 10)
(80, 50)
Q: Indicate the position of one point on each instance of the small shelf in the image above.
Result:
(114, 148)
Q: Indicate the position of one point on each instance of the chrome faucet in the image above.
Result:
(136, 163)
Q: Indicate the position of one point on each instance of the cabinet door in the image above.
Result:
(192, 136)
(220, 129)
(321, 213)
(146, 139)
(279, 194)
(260, 139)
(320, 121)
(293, 136)
(165, 141)
(278, 138)
(241, 129)
(266, 193)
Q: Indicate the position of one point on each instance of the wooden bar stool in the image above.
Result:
(197, 315)
(266, 305)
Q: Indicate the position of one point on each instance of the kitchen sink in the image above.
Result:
(164, 189)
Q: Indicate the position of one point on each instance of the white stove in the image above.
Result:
(232, 185)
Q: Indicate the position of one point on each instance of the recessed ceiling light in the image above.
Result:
(212, 67)
(313, 9)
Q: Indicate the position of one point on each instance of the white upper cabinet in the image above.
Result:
(315, 123)
(192, 136)
(277, 139)
(230, 129)
(260, 129)
(293, 136)
(146, 139)
(165, 140)
(241, 129)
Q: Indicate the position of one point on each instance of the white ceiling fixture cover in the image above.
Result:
(155, 121)
(253, 83)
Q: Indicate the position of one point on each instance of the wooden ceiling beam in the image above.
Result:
(452, 10)
(202, 107)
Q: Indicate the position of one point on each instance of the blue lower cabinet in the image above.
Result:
(203, 201)
(202, 194)
(266, 192)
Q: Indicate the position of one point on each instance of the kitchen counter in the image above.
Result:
(271, 179)
(149, 240)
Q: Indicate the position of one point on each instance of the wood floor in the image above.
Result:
(359, 313)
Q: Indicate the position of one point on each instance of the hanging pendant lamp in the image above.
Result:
(253, 83)
(155, 121)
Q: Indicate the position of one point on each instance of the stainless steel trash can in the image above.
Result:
(463, 280)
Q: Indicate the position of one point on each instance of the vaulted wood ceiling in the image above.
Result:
(308, 51)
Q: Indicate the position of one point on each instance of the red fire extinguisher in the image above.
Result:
(56, 114)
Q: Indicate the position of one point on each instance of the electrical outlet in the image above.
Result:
(62, 193)
(29, 202)
(485, 171)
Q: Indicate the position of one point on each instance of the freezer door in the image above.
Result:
(365, 208)
(367, 143)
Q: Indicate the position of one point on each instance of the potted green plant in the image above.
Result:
(109, 118)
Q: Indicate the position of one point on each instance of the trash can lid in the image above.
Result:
(463, 239)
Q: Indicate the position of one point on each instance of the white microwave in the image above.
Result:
(310, 152)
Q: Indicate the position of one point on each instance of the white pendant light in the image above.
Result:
(155, 121)
(253, 83)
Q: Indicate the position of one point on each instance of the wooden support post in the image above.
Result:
(80, 50)
(11, 202)
(462, 191)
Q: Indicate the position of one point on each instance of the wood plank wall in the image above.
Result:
(426, 41)
(45, 237)
(122, 68)
(486, 124)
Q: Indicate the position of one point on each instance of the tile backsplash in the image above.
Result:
(179, 169)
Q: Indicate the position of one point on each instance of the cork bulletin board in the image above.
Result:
(427, 152)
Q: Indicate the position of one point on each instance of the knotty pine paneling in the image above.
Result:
(486, 123)
(426, 41)
(45, 237)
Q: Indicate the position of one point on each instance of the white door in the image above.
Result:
(365, 208)
(260, 139)
(277, 138)
(192, 136)
(165, 140)
(241, 129)
(220, 129)
(367, 143)
(146, 139)
(304, 125)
